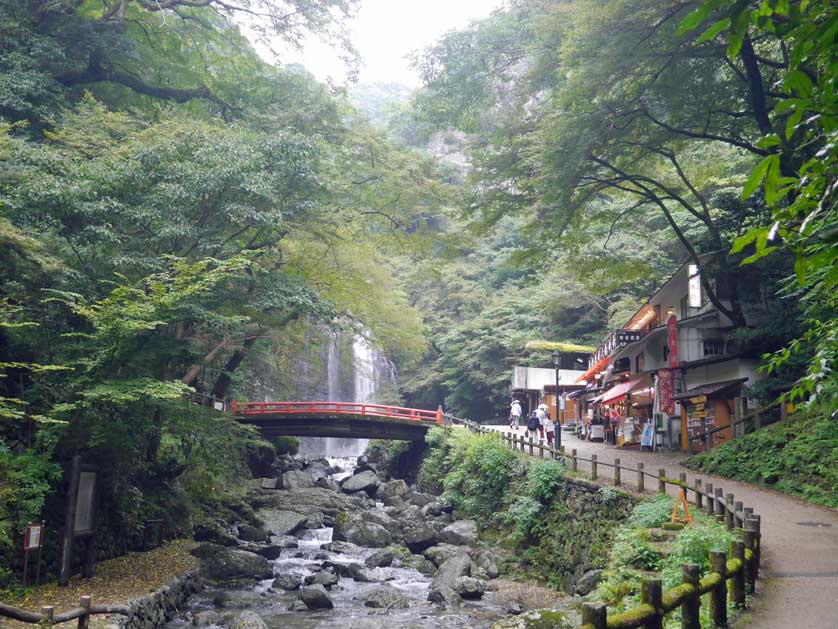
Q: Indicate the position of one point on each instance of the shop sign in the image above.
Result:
(694, 286)
(672, 340)
(666, 389)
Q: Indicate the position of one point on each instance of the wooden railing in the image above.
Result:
(336, 408)
(47, 617)
(706, 437)
(729, 576)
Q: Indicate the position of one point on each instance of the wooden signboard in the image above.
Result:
(79, 519)
(33, 541)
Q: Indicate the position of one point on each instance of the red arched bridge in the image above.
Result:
(337, 419)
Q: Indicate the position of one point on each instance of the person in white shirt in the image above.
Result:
(515, 415)
(549, 430)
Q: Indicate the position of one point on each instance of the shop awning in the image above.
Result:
(589, 375)
(712, 390)
(619, 391)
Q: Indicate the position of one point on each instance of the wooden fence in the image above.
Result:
(730, 575)
(47, 617)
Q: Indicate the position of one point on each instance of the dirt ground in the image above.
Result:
(798, 585)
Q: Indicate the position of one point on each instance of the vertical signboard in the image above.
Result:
(672, 340)
(694, 290)
(666, 391)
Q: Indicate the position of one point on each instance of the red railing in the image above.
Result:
(336, 408)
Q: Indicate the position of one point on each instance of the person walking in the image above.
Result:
(542, 418)
(534, 424)
(549, 430)
(515, 415)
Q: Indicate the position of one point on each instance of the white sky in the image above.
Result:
(386, 31)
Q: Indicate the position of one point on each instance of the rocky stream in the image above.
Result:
(334, 543)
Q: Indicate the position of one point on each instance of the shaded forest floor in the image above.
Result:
(115, 581)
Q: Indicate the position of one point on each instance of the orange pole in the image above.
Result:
(439, 415)
(233, 406)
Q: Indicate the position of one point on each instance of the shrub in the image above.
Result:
(286, 445)
(652, 512)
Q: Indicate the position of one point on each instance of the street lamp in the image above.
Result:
(557, 360)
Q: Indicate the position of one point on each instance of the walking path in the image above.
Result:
(798, 585)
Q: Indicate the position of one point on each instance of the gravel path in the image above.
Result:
(798, 585)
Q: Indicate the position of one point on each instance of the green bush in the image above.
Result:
(796, 456)
(387, 455)
(286, 445)
(652, 512)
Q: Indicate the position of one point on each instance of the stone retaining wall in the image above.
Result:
(154, 609)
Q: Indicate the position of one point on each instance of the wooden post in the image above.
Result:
(662, 481)
(531, 446)
(757, 422)
(593, 467)
(750, 539)
(641, 478)
(574, 463)
(718, 595)
(729, 509)
(84, 619)
(747, 512)
(595, 615)
(756, 523)
(691, 574)
(48, 613)
(616, 472)
(709, 495)
(720, 504)
(651, 594)
(682, 478)
(737, 514)
(69, 522)
(737, 581)
(699, 499)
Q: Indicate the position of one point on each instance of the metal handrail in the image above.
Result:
(336, 408)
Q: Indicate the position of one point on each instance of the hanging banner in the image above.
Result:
(672, 340)
(694, 290)
(666, 389)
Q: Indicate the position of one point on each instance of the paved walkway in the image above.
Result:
(798, 585)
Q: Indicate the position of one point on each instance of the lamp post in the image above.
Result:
(557, 359)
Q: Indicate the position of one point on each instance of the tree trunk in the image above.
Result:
(222, 384)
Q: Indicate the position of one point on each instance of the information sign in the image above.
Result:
(32, 537)
(647, 438)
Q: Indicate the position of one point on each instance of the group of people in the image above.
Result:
(539, 424)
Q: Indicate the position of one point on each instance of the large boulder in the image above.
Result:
(285, 541)
(269, 552)
(357, 572)
(248, 620)
(420, 499)
(325, 578)
(215, 533)
(469, 587)
(249, 533)
(420, 536)
(342, 548)
(282, 522)
(307, 501)
(237, 599)
(380, 559)
(441, 553)
(296, 479)
(385, 597)
(485, 565)
(442, 587)
(287, 582)
(369, 535)
(367, 482)
(588, 581)
(235, 564)
(327, 483)
(384, 520)
(460, 533)
(392, 489)
(316, 597)
(202, 551)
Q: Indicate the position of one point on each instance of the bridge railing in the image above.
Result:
(336, 408)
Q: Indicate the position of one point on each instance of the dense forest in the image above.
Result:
(180, 217)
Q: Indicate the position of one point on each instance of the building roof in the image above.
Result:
(568, 348)
(712, 390)
(618, 391)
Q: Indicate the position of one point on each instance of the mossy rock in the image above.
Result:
(536, 619)
(672, 526)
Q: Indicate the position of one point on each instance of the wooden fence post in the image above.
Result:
(616, 472)
(682, 478)
(699, 499)
(756, 523)
(691, 574)
(531, 445)
(48, 613)
(651, 594)
(593, 467)
(595, 615)
(641, 478)
(718, 595)
(737, 515)
(750, 538)
(729, 510)
(574, 464)
(737, 581)
(709, 495)
(720, 504)
(84, 619)
(661, 481)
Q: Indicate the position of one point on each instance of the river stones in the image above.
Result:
(285, 541)
(420, 536)
(327, 483)
(282, 522)
(236, 599)
(358, 573)
(202, 551)
(420, 499)
(269, 552)
(440, 553)
(248, 620)
(316, 597)
(249, 533)
(231, 563)
(588, 581)
(324, 578)
(368, 534)
(288, 582)
(442, 587)
(215, 533)
(307, 501)
(469, 587)
(485, 565)
(380, 559)
(392, 489)
(296, 480)
(342, 548)
(340, 569)
(367, 482)
(460, 533)
(385, 597)
(315, 520)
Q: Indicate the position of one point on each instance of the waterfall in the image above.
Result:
(369, 369)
